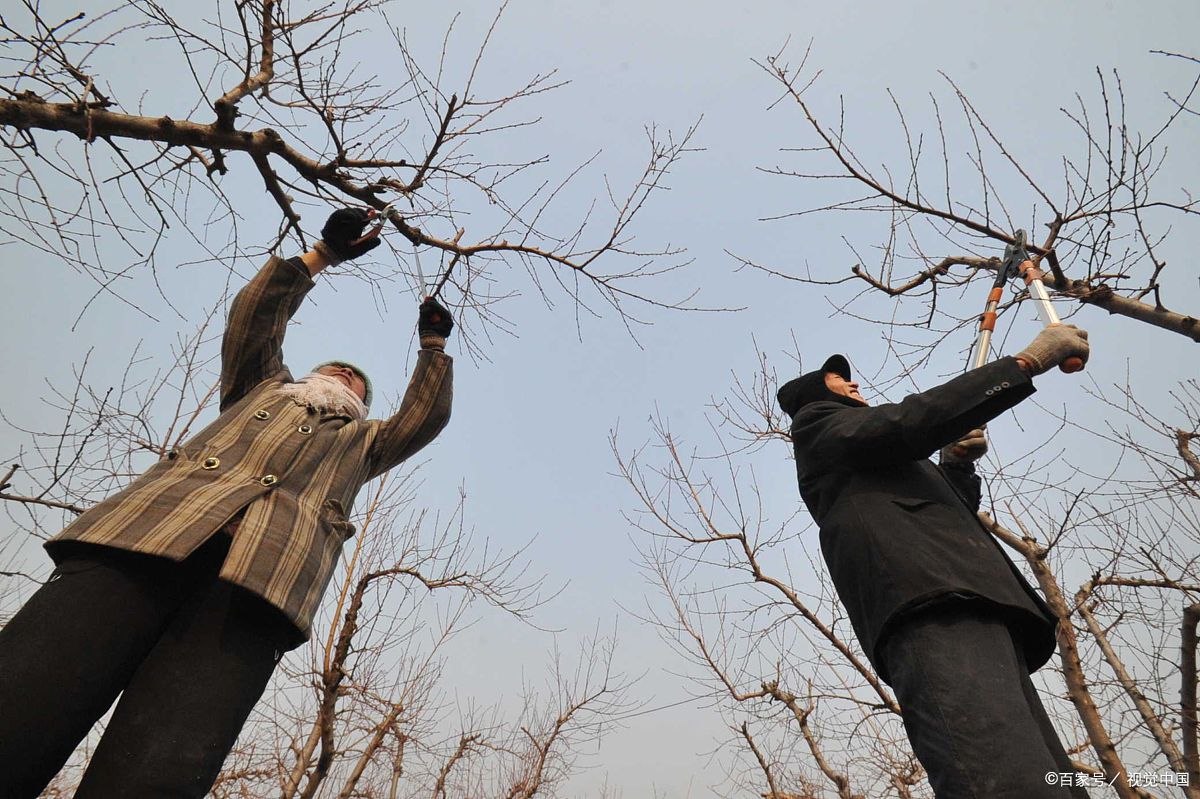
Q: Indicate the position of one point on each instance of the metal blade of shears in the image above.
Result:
(420, 275)
(390, 212)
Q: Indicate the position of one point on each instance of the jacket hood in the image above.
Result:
(810, 387)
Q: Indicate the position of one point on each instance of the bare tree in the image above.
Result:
(943, 219)
(325, 109)
(781, 659)
(315, 104)
(1112, 536)
(363, 709)
(367, 713)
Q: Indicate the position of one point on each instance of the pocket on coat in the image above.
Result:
(914, 504)
(333, 515)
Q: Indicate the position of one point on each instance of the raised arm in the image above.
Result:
(425, 409)
(252, 347)
(828, 434)
(914, 428)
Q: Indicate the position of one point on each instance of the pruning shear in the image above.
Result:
(1041, 299)
(987, 323)
(391, 212)
(1017, 261)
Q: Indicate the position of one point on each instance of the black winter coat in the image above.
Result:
(899, 532)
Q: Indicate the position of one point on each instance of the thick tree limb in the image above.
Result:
(1104, 297)
(1187, 669)
(34, 114)
(1183, 441)
(1149, 717)
(1068, 649)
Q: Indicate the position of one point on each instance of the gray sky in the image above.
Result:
(529, 440)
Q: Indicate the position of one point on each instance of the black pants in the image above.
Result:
(970, 710)
(189, 654)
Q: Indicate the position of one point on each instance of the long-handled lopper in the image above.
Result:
(1041, 299)
(1016, 262)
(987, 322)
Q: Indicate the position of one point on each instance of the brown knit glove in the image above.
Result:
(1053, 346)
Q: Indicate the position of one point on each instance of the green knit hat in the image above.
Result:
(357, 370)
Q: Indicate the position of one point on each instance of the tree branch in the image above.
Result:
(1187, 690)
(226, 106)
(1068, 649)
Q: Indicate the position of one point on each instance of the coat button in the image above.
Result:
(304, 429)
(210, 463)
(269, 480)
(262, 413)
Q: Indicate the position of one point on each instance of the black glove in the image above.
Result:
(433, 318)
(343, 234)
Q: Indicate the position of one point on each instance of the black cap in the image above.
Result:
(838, 365)
(810, 387)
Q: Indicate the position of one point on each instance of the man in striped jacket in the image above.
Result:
(183, 591)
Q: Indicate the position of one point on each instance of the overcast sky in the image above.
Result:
(529, 440)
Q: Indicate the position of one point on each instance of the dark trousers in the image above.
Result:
(189, 654)
(970, 710)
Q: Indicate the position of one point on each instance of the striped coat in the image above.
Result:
(292, 473)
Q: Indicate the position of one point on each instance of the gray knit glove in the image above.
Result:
(967, 449)
(1054, 345)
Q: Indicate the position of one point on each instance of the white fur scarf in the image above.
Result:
(325, 394)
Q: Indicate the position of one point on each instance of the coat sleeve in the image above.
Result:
(424, 411)
(966, 482)
(252, 347)
(836, 436)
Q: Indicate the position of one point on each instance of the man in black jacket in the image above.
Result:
(942, 613)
